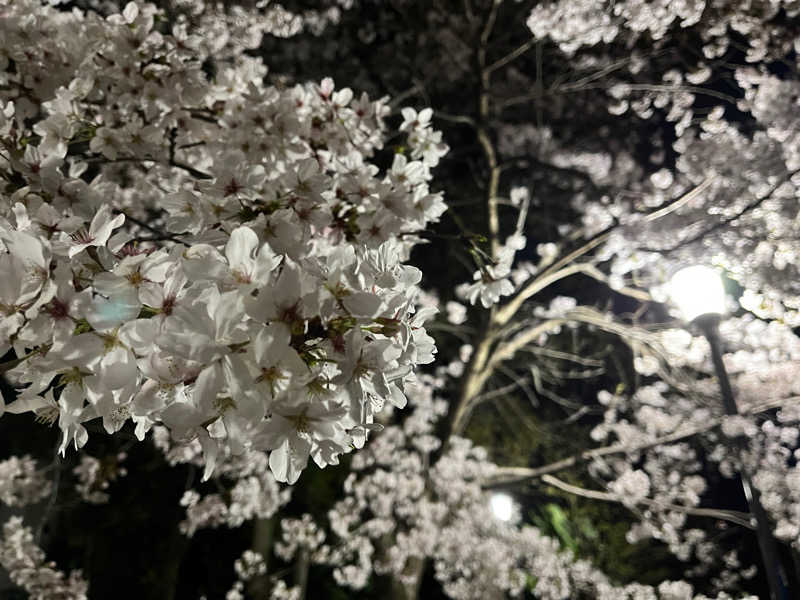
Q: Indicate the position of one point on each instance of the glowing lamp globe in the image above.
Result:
(697, 291)
(502, 507)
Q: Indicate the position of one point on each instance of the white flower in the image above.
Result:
(99, 231)
(291, 432)
(413, 120)
(278, 364)
(248, 268)
(456, 312)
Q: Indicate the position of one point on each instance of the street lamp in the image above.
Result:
(697, 291)
(700, 296)
(502, 506)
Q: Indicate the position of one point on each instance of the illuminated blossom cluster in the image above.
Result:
(573, 25)
(756, 205)
(250, 565)
(26, 565)
(217, 255)
(23, 484)
(298, 534)
(729, 195)
(95, 476)
(666, 429)
(777, 481)
(668, 479)
(246, 488)
(762, 359)
(442, 513)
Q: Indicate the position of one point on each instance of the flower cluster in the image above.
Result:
(249, 566)
(573, 25)
(298, 534)
(246, 487)
(671, 480)
(25, 563)
(217, 255)
(493, 280)
(442, 513)
(21, 482)
(95, 476)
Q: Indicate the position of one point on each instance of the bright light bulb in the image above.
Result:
(697, 291)
(502, 506)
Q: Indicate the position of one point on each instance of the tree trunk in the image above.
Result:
(415, 567)
(301, 567)
(263, 538)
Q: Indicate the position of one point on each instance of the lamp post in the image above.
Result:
(700, 296)
(502, 506)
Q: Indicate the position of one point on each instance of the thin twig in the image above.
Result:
(501, 62)
(162, 235)
(191, 170)
(438, 114)
(51, 502)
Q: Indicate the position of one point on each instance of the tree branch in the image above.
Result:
(733, 516)
(483, 367)
(501, 62)
(512, 475)
(728, 220)
(544, 279)
(484, 137)
(473, 383)
(162, 235)
(554, 272)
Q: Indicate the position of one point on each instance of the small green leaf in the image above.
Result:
(82, 326)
